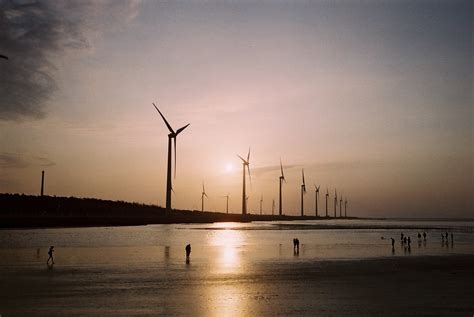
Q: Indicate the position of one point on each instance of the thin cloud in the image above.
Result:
(16, 160)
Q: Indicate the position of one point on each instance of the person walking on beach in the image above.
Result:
(424, 235)
(409, 242)
(419, 235)
(50, 255)
(401, 237)
(188, 252)
(393, 243)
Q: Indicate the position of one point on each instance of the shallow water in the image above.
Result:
(235, 269)
(233, 244)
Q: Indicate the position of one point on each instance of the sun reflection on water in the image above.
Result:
(227, 244)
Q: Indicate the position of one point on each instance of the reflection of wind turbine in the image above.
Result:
(172, 135)
(282, 178)
(316, 196)
(261, 203)
(303, 191)
(245, 163)
(340, 207)
(327, 195)
(345, 209)
(202, 197)
(335, 203)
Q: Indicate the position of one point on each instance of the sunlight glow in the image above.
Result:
(229, 167)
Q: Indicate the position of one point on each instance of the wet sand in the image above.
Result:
(392, 286)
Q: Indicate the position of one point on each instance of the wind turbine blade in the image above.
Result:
(248, 156)
(174, 156)
(250, 178)
(3, 56)
(166, 122)
(302, 171)
(243, 160)
(181, 129)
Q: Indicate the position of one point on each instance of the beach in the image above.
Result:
(234, 270)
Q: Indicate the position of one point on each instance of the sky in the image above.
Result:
(372, 98)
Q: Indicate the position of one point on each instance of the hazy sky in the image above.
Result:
(371, 97)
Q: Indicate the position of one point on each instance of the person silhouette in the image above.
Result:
(424, 235)
(393, 242)
(188, 252)
(409, 242)
(298, 245)
(401, 237)
(419, 235)
(50, 255)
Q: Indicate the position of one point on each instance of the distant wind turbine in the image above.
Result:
(327, 195)
(245, 163)
(303, 191)
(171, 136)
(203, 194)
(282, 178)
(340, 207)
(335, 203)
(273, 206)
(227, 203)
(345, 209)
(316, 197)
(261, 203)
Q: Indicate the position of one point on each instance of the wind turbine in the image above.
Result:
(227, 204)
(303, 191)
(261, 203)
(316, 196)
(335, 203)
(202, 197)
(171, 136)
(345, 209)
(327, 195)
(273, 207)
(282, 178)
(245, 163)
(340, 207)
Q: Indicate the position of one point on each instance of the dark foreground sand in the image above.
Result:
(425, 285)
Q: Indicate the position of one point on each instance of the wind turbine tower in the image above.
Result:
(171, 136)
(345, 209)
(327, 195)
(316, 197)
(335, 203)
(282, 179)
(203, 194)
(340, 207)
(273, 207)
(42, 183)
(303, 191)
(261, 203)
(245, 163)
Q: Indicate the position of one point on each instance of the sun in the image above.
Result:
(229, 168)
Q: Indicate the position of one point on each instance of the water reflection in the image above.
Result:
(227, 244)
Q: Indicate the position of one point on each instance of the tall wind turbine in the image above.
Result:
(203, 194)
(335, 203)
(303, 191)
(282, 178)
(340, 207)
(171, 136)
(245, 163)
(327, 195)
(316, 197)
(261, 203)
(345, 209)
